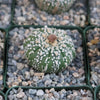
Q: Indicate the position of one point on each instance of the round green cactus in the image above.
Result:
(49, 50)
(54, 6)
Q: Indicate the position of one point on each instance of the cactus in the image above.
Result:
(49, 50)
(54, 6)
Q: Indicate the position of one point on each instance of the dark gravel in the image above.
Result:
(98, 96)
(5, 15)
(2, 36)
(95, 12)
(1, 97)
(93, 42)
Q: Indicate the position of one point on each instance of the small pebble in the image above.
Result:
(75, 74)
(32, 91)
(40, 93)
(20, 95)
(1, 98)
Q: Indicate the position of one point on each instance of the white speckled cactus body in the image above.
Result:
(54, 6)
(49, 50)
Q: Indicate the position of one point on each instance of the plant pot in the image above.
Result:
(17, 65)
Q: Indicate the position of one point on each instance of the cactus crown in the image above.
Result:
(49, 50)
(54, 6)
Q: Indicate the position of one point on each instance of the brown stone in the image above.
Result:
(1, 77)
(29, 82)
(1, 66)
(75, 74)
(81, 71)
(15, 84)
(95, 41)
(20, 95)
(25, 83)
(43, 18)
(92, 63)
(89, 44)
(39, 74)
(66, 17)
(90, 54)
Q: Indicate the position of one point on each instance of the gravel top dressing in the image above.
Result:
(5, 15)
(51, 56)
(52, 94)
(95, 12)
(98, 96)
(1, 98)
(20, 73)
(27, 13)
(93, 43)
(2, 37)
(6, 1)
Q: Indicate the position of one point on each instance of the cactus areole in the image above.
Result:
(49, 50)
(52, 38)
(54, 6)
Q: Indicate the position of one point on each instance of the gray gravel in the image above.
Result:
(20, 73)
(1, 98)
(98, 95)
(20, 94)
(6, 1)
(5, 15)
(2, 36)
(26, 13)
(93, 43)
(95, 12)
